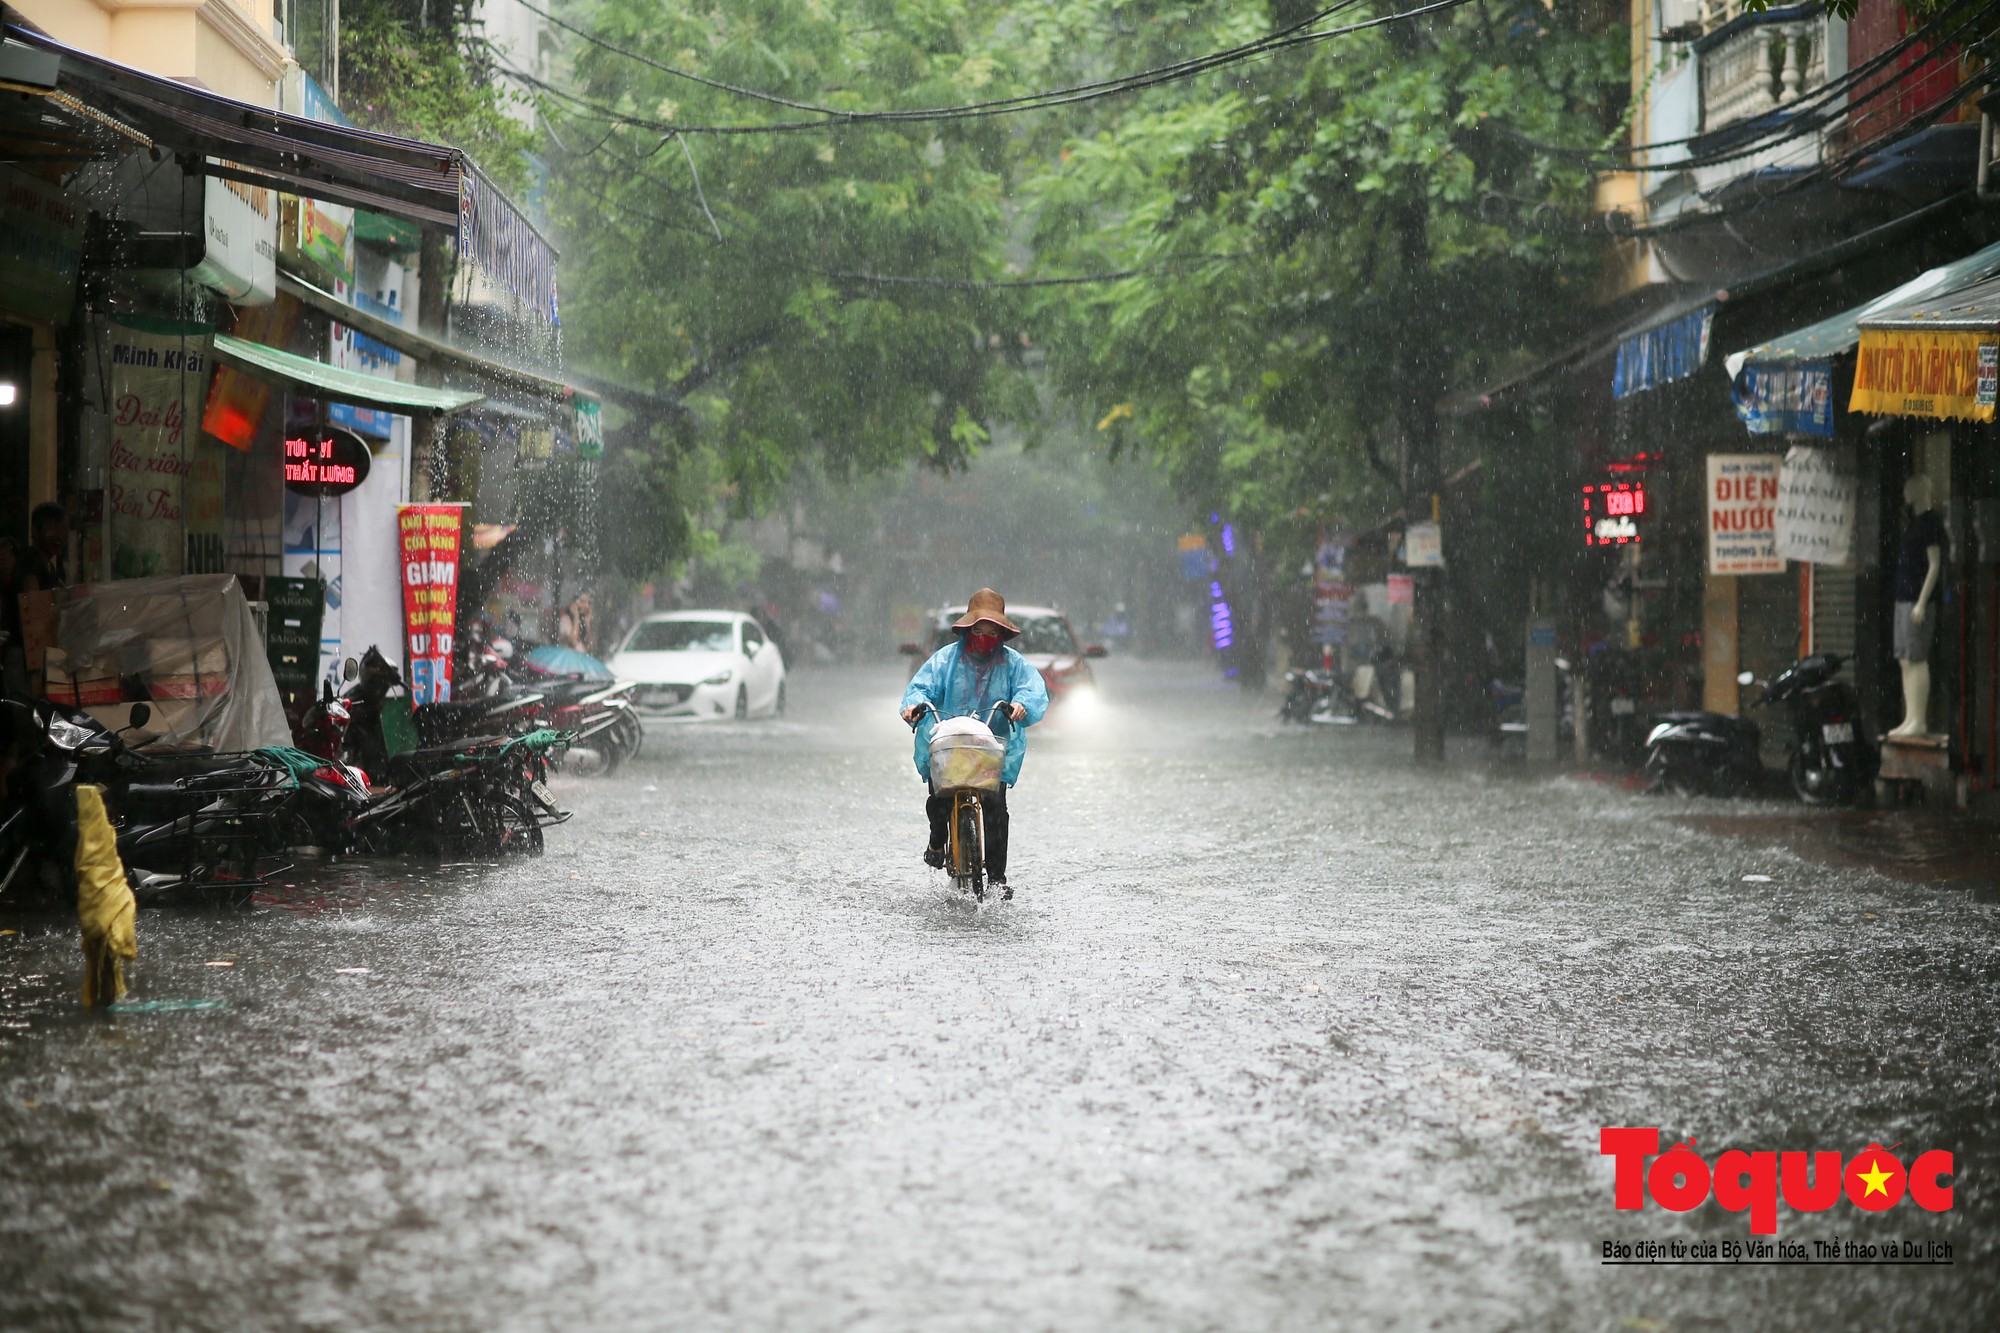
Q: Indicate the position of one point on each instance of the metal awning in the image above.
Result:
(1972, 306)
(1840, 333)
(315, 380)
(411, 342)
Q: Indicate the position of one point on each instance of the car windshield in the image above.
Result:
(1039, 634)
(682, 636)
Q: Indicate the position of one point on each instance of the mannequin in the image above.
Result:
(1918, 564)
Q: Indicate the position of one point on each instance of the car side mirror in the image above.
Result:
(1745, 678)
(1096, 650)
(909, 649)
(141, 714)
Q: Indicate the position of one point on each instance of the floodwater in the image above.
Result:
(1278, 1033)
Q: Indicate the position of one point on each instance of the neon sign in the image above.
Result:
(331, 461)
(1611, 513)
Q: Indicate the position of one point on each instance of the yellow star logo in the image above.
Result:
(1876, 1178)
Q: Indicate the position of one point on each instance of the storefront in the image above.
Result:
(1928, 364)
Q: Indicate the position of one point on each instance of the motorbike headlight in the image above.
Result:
(68, 734)
(720, 678)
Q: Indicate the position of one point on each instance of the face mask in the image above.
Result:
(982, 644)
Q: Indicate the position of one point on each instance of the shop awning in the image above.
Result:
(429, 183)
(313, 380)
(1932, 354)
(1785, 386)
(1667, 351)
(426, 348)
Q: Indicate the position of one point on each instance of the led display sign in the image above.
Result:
(1611, 513)
(329, 461)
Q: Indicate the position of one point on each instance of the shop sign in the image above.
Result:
(428, 539)
(240, 235)
(41, 246)
(1611, 513)
(587, 426)
(1927, 373)
(1402, 590)
(1195, 562)
(1743, 514)
(158, 375)
(1331, 592)
(1423, 546)
(325, 462)
(1785, 400)
(1817, 504)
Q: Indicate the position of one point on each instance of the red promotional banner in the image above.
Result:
(429, 538)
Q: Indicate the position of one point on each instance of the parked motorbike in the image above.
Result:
(587, 702)
(189, 826)
(1617, 721)
(1833, 759)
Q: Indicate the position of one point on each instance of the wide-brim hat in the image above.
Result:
(991, 607)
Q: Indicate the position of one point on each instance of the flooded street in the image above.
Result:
(1278, 1033)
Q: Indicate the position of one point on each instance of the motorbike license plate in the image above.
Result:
(542, 794)
(1838, 733)
(1623, 707)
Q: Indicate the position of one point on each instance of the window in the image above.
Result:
(682, 636)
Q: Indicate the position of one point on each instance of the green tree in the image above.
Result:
(420, 70)
(743, 273)
(1338, 233)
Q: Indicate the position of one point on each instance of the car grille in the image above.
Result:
(664, 696)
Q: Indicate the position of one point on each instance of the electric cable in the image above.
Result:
(1028, 102)
(914, 113)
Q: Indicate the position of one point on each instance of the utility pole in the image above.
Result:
(1420, 383)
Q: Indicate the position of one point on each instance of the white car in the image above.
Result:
(701, 665)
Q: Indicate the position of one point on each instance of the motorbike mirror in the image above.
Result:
(350, 669)
(141, 714)
(1745, 678)
(1096, 650)
(908, 649)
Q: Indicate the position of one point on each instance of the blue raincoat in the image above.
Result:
(956, 686)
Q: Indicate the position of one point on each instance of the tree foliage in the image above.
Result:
(406, 70)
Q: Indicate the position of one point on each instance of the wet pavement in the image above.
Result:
(1278, 1033)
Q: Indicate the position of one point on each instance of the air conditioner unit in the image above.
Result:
(1680, 20)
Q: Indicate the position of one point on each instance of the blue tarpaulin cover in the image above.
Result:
(1664, 353)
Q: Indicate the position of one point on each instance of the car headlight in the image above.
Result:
(720, 678)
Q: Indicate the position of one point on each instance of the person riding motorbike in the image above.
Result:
(967, 678)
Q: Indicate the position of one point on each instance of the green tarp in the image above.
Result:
(311, 379)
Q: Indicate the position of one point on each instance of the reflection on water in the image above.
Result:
(1276, 1027)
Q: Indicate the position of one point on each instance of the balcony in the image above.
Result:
(1756, 64)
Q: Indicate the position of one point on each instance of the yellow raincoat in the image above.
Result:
(104, 903)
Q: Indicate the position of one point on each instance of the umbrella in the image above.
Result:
(557, 660)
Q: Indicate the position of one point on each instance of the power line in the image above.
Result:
(835, 119)
(932, 112)
(1798, 122)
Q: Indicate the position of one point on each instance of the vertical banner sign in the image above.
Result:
(428, 536)
(1743, 514)
(1817, 504)
(1330, 593)
(157, 376)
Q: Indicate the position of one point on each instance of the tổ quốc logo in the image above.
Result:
(1681, 1179)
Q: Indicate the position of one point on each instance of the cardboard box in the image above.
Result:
(212, 686)
(187, 657)
(93, 687)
